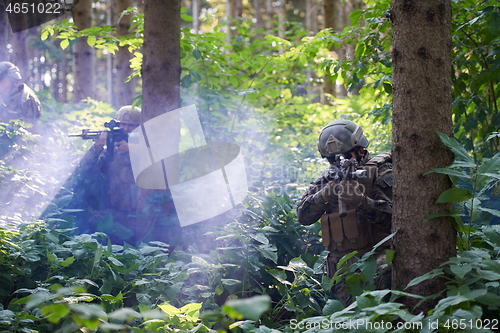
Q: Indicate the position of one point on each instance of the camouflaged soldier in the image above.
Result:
(117, 198)
(368, 202)
(17, 101)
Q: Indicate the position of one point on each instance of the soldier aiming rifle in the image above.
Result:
(352, 198)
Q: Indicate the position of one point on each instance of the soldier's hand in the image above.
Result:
(350, 192)
(121, 147)
(329, 193)
(100, 141)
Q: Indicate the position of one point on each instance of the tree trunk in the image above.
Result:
(161, 71)
(196, 16)
(259, 24)
(331, 20)
(123, 90)
(270, 14)
(83, 54)
(19, 52)
(422, 105)
(282, 18)
(4, 33)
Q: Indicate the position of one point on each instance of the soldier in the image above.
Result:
(17, 101)
(368, 202)
(110, 188)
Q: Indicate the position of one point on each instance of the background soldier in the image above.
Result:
(368, 201)
(17, 101)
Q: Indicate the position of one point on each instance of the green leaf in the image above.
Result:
(368, 268)
(491, 211)
(44, 35)
(454, 195)
(389, 255)
(55, 312)
(332, 306)
(455, 146)
(461, 270)
(489, 299)
(186, 17)
(428, 276)
(68, 261)
(251, 308)
(64, 44)
(91, 40)
(196, 53)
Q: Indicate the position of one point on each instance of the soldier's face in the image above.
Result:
(128, 127)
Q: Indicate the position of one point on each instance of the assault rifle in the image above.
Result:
(344, 169)
(115, 134)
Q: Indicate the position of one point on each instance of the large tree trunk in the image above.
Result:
(83, 54)
(422, 106)
(123, 90)
(161, 71)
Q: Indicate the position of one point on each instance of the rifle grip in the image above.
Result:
(342, 209)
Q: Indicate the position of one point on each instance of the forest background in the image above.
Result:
(268, 76)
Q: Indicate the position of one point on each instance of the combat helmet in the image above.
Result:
(129, 115)
(10, 70)
(339, 137)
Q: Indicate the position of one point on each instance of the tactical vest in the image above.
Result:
(353, 232)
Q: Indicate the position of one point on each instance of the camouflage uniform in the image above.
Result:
(363, 227)
(113, 192)
(22, 104)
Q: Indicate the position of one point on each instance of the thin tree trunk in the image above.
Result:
(161, 71)
(257, 7)
(196, 16)
(270, 14)
(331, 20)
(83, 54)
(282, 18)
(4, 33)
(19, 53)
(123, 90)
(422, 106)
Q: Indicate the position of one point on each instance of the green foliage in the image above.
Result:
(474, 192)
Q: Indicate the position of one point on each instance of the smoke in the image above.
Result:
(35, 167)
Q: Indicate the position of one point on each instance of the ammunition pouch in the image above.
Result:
(342, 234)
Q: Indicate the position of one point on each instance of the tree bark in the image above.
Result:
(270, 14)
(19, 52)
(196, 16)
(257, 7)
(282, 18)
(161, 71)
(83, 54)
(422, 105)
(4, 33)
(331, 20)
(124, 91)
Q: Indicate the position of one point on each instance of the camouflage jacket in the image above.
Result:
(120, 189)
(376, 206)
(22, 104)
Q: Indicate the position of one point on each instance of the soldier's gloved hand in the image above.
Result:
(350, 192)
(329, 193)
(121, 147)
(100, 141)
